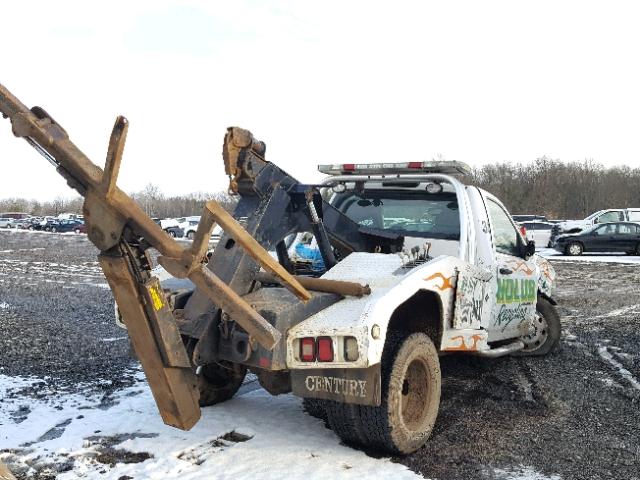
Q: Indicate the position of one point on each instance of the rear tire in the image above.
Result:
(574, 249)
(545, 336)
(53, 230)
(411, 384)
(219, 382)
(316, 408)
(190, 235)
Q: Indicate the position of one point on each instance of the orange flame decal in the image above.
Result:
(463, 346)
(446, 281)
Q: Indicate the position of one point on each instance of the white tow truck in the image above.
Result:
(467, 282)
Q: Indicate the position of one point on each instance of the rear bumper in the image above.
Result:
(346, 385)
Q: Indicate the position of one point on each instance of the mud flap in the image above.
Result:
(346, 385)
(156, 342)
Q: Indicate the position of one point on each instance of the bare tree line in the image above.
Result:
(560, 190)
(545, 187)
(155, 203)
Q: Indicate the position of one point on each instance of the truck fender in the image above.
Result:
(421, 312)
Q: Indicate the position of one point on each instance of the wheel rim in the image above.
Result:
(538, 334)
(574, 249)
(415, 389)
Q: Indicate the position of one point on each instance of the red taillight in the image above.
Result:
(308, 349)
(325, 349)
(523, 231)
(349, 167)
(415, 164)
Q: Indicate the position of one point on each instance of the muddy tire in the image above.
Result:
(545, 335)
(411, 383)
(219, 382)
(574, 249)
(315, 408)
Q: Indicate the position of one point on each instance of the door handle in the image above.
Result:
(505, 271)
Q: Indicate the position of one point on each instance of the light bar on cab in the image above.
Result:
(450, 167)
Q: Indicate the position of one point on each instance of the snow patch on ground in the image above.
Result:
(114, 339)
(631, 309)
(524, 473)
(4, 305)
(254, 435)
(626, 374)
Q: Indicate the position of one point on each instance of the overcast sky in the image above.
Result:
(321, 82)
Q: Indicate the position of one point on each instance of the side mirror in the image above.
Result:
(530, 249)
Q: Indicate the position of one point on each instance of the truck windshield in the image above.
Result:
(410, 213)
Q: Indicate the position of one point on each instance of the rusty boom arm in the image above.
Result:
(123, 232)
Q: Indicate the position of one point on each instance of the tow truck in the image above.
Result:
(415, 265)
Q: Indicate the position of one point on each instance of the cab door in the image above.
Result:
(516, 278)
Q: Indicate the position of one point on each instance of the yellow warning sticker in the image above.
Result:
(157, 297)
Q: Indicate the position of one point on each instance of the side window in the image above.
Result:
(634, 215)
(505, 236)
(611, 217)
(606, 230)
(627, 229)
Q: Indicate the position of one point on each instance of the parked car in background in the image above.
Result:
(7, 222)
(170, 226)
(608, 237)
(599, 217)
(190, 225)
(529, 218)
(538, 231)
(35, 223)
(23, 223)
(166, 222)
(62, 226)
(175, 232)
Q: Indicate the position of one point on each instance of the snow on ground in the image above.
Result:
(524, 473)
(253, 435)
(589, 257)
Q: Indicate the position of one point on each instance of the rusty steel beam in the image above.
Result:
(174, 388)
(5, 474)
(350, 289)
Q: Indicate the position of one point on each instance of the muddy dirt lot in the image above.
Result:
(572, 415)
